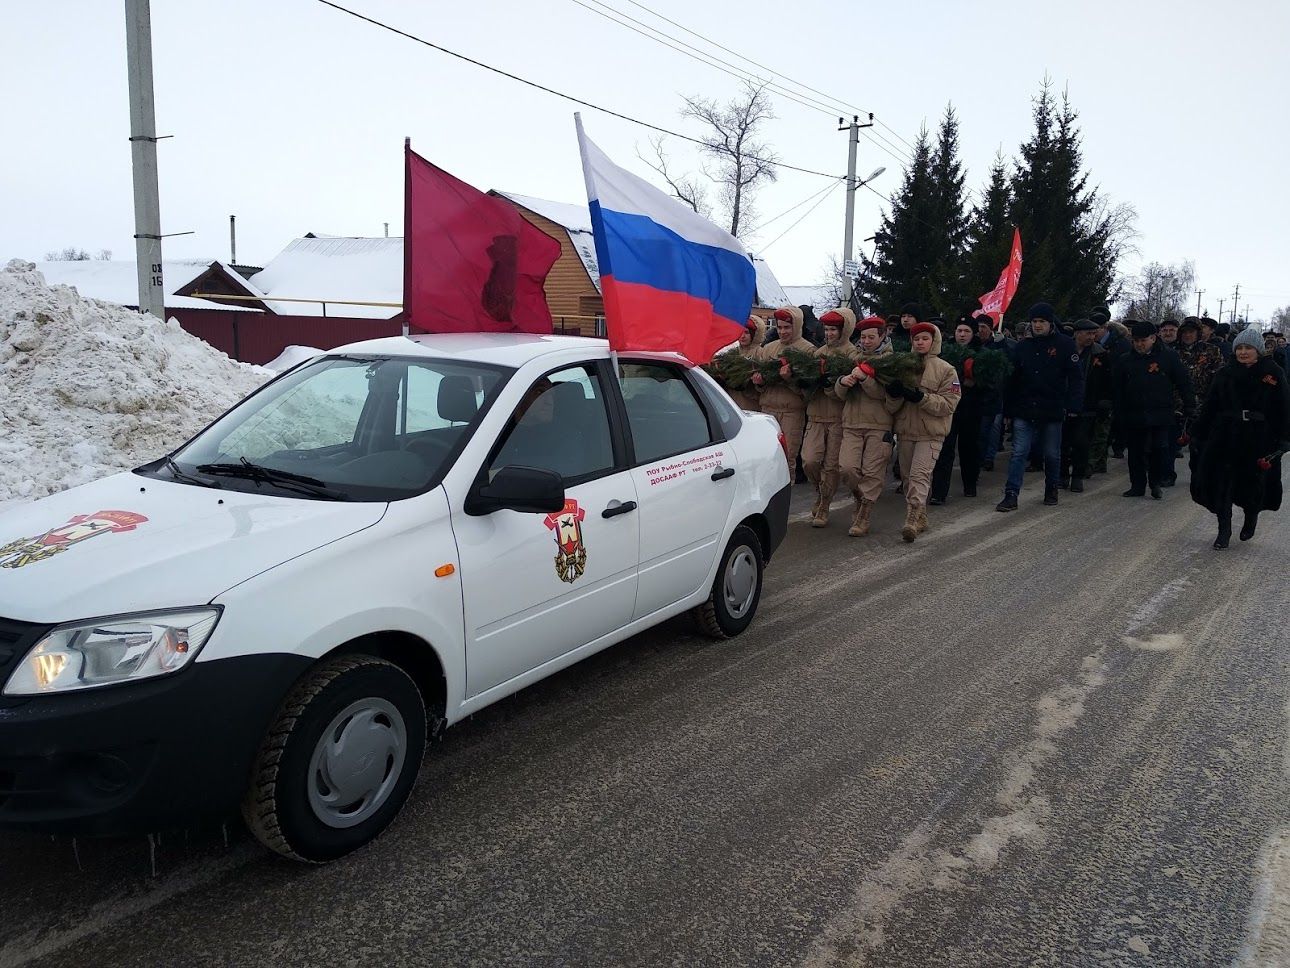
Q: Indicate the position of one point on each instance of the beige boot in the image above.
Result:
(910, 531)
(922, 520)
(819, 511)
(822, 515)
(860, 520)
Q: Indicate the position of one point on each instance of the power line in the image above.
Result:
(704, 57)
(823, 198)
(782, 77)
(740, 73)
(560, 94)
(790, 211)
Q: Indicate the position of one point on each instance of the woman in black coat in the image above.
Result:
(1242, 431)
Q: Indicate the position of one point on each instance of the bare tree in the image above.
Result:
(686, 187)
(740, 161)
(69, 254)
(1160, 292)
(104, 255)
(1280, 320)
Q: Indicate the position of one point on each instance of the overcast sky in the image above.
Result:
(292, 115)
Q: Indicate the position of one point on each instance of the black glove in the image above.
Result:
(894, 390)
(914, 395)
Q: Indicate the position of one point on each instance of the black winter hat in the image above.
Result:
(911, 309)
(1043, 311)
(1100, 314)
(1191, 322)
(1085, 326)
(1206, 321)
(1141, 330)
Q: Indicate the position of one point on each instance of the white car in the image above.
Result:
(379, 542)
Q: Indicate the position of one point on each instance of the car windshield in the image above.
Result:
(343, 428)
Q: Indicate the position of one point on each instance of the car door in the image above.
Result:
(684, 475)
(538, 586)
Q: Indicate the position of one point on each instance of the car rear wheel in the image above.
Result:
(736, 590)
(339, 761)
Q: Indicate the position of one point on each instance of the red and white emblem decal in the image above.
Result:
(571, 553)
(82, 527)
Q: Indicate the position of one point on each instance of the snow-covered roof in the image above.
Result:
(574, 219)
(118, 282)
(770, 294)
(333, 268)
(819, 297)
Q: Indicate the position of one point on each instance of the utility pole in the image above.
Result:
(1199, 293)
(849, 266)
(1236, 304)
(232, 240)
(143, 152)
(1220, 309)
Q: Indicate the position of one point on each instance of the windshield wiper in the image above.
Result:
(182, 475)
(271, 475)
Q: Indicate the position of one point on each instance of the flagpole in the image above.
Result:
(586, 176)
(407, 225)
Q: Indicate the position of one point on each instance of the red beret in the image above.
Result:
(832, 318)
(872, 322)
(929, 328)
(783, 315)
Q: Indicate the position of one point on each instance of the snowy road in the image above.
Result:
(1051, 737)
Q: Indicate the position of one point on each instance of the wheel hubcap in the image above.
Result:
(357, 762)
(740, 582)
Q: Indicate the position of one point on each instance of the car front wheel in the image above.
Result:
(339, 761)
(736, 590)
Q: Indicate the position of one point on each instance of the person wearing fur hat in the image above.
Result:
(786, 401)
(867, 420)
(1242, 432)
(1144, 385)
(750, 341)
(922, 423)
(823, 441)
(1046, 386)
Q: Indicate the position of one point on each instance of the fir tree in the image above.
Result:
(944, 290)
(1069, 261)
(989, 235)
(904, 244)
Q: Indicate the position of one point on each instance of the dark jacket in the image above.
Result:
(1223, 345)
(1144, 385)
(1047, 382)
(901, 341)
(1202, 360)
(1246, 416)
(1096, 363)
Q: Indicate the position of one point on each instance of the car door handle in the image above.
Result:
(623, 507)
(722, 473)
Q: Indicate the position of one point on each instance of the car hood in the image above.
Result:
(129, 543)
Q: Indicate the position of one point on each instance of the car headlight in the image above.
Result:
(108, 651)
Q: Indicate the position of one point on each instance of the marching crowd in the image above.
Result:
(1070, 396)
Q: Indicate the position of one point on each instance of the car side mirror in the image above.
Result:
(531, 490)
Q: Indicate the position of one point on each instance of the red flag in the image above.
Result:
(995, 302)
(471, 263)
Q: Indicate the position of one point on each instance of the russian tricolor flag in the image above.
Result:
(671, 279)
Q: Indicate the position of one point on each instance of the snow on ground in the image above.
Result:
(88, 388)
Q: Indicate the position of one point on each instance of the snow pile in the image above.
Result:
(88, 388)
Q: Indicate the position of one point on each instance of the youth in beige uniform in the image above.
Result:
(922, 422)
(867, 416)
(786, 402)
(749, 344)
(823, 440)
